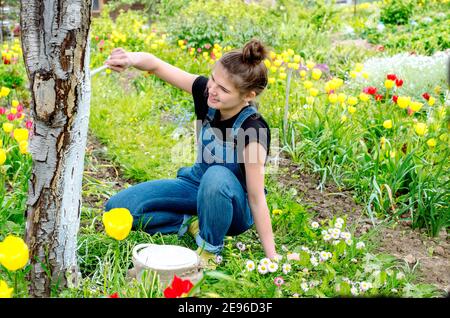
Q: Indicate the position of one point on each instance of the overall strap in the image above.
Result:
(210, 115)
(247, 112)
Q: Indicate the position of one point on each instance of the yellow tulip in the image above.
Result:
(431, 101)
(302, 73)
(353, 74)
(278, 63)
(5, 291)
(403, 101)
(310, 65)
(313, 91)
(180, 42)
(342, 97)
(308, 84)
(14, 103)
(443, 137)
(415, 106)
(297, 58)
(118, 223)
(282, 76)
(272, 55)
(20, 134)
(267, 63)
(273, 69)
(351, 109)
(343, 118)
(383, 142)
(4, 91)
(8, 127)
(387, 124)
(359, 67)
(364, 97)
(420, 128)
(290, 52)
(2, 156)
(13, 110)
(332, 98)
(365, 75)
(310, 100)
(389, 84)
(277, 212)
(316, 74)
(431, 142)
(23, 147)
(271, 80)
(13, 253)
(352, 101)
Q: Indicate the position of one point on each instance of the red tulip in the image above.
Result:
(391, 77)
(394, 98)
(29, 124)
(115, 295)
(20, 108)
(378, 97)
(18, 115)
(399, 82)
(370, 90)
(426, 96)
(11, 117)
(2, 110)
(178, 288)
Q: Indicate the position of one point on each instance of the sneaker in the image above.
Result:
(207, 259)
(193, 228)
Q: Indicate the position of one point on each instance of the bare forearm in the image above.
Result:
(263, 225)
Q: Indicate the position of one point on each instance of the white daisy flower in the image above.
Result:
(349, 242)
(365, 286)
(324, 232)
(273, 267)
(394, 290)
(295, 295)
(360, 245)
(314, 261)
(340, 220)
(330, 255)
(354, 291)
(336, 231)
(323, 256)
(327, 237)
(262, 269)
(315, 225)
(305, 270)
(286, 268)
(304, 286)
(284, 248)
(265, 261)
(219, 259)
(304, 248)
(345, 279)
(346, 235)
(336, 242)
(250, 265)
(338, 225)
(240, 246)
(354, 260)
(293, 256)
(335, 235)
(400, 276)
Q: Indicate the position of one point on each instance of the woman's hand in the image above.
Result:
(119, 60)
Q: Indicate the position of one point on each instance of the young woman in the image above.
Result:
(225, 186)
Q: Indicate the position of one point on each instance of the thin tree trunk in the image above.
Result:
(55, 42)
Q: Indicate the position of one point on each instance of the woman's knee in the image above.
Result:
(218, 180)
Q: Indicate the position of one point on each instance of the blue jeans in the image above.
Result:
(166, 205)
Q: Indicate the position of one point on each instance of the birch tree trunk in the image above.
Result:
(55, 43)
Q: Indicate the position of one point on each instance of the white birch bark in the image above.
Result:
(55, 42)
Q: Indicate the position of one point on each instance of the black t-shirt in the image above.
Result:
(256, 121)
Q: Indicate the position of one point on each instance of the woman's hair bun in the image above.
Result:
(254, 52)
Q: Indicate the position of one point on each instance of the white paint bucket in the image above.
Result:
(167, 261)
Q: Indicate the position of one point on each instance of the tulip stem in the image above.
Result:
(15, 283)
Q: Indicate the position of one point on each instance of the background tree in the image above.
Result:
(56, 54)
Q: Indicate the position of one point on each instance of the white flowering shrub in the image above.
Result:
(419, 73)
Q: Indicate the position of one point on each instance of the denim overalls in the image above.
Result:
(213, 188)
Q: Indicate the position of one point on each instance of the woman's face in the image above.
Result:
(222, 94)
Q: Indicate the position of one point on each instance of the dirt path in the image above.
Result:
(402, 242)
